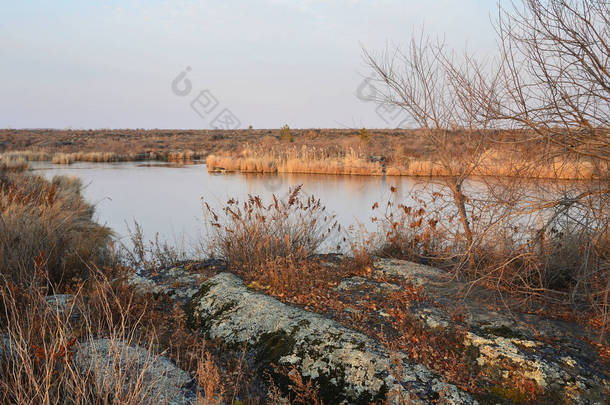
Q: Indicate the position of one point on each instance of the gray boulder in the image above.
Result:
(7, 347)
(118, 369)
(348, 366)
(176, 282)
(509, 345)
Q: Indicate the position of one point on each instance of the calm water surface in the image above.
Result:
(167, 199)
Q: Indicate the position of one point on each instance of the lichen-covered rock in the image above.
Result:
(354, 282)
(64, 304)
(348, 366)
(60, 302)
(176, 282)
(506, 347)
(510, 346)
(118, 368)
(7, 347)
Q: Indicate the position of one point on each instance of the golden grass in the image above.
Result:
(68, 158)
(355, 161)
(19, 157)
(49, 223)
(27, 155)
(295, 159)
(180, 156)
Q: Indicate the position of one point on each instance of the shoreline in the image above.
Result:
(312, 151)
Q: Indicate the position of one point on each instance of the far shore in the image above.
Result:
(314, 151)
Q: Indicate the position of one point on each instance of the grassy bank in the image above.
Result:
(357, 161)
(50, 245)
(48, 227)
(321, 151)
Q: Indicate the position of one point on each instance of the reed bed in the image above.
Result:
(19, 158)
(294, 159)
(355, 161)
(26, 155)
(68, 158)
(13, 164)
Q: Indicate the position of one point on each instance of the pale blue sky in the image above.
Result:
(110, 64)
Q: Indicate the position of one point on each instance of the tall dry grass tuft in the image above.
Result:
(251, 233)
(210, 379)
(39, 345)
(47, 222)
(154, 254)
(12, 164)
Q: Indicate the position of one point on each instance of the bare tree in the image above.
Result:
(556, 72)
(555, 69)
(437, 93)
(549, 82)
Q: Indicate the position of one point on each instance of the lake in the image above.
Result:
(166, 198)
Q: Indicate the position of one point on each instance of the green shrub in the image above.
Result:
(285, 134)
(364, 135)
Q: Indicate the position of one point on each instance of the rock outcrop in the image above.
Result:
(352, 367)
(347, 365)
(118, 368)
(554, 354)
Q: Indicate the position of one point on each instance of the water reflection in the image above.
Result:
(167, 198)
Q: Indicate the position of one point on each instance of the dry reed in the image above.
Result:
(356, 161)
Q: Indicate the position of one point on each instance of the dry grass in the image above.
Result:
(26, 155)
(357, 161)
(40, 339)
(97, 156)
(551, 260)
(253, 232)
(329, 151)
(37, 360)
(48, 223)
(296, 160)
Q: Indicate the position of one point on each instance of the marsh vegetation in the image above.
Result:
(539, 110)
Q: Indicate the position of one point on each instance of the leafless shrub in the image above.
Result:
(152, 254)
(549, 85)
(554, 69)
(252, 232)
(436, 92)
